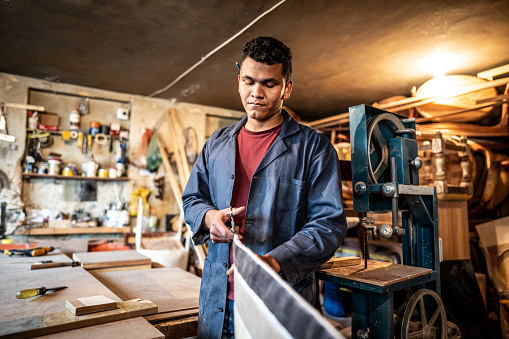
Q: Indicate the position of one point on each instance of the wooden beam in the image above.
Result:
(490, 73)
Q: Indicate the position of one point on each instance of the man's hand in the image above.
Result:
(267, 258)
(215, 222)
(271, 262)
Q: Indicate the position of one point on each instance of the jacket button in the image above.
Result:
(233, 176)
(225, 264)
(220, 309)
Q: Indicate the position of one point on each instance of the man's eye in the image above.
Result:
(269, 85)
(248, 82)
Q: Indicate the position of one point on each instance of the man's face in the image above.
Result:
(262, 89)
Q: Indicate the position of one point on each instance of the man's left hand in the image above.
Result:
(266, 258)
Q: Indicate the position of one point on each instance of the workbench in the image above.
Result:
(375, 284)
(173, 290)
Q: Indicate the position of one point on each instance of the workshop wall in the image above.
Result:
(197, 124)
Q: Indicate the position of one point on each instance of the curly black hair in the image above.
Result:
(269, 51)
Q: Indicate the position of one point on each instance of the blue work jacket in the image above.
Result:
(294, 210)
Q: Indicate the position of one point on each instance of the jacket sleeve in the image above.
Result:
(196, 198)
(325, 227)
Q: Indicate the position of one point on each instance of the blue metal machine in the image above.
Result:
(385, 178)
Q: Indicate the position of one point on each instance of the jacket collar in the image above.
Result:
(290, 126)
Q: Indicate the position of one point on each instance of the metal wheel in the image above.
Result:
(380, 130)
(422, 320)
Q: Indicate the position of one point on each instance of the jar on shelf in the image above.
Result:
(54, 166)
(74, 119)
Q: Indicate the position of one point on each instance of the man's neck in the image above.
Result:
(258, 126)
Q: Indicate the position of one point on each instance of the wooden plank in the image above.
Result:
(490, 73)
(64, 321)
(120, 268)
(92, 260)
(179, 328)
(76, 230)
(341, 262)
(171, 315)
(129, 328)
(86, 305)
(378, 273)
(453, 229)
(172, 289)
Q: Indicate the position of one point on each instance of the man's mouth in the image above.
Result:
(256, 104)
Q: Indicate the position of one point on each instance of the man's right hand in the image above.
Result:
(215, 223)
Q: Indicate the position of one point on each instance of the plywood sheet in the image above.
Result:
(93, 260)
(128, 328)
(378, 273)
(16, 277)
(64, 321)
(172, 289)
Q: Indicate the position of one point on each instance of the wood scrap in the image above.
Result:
(65, 321)
(341, 262)
(86, 305)
(108, 259)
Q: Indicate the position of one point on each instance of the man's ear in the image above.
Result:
(288, 90)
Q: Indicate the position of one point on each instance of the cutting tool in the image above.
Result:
(232, 222)
(32, 292)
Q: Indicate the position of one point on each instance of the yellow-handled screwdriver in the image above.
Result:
(31, 252)
(32, 292)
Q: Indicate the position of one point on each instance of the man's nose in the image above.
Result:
(257, 91)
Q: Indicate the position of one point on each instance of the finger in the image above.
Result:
(237, 210)
(237, 232)
(231, 270)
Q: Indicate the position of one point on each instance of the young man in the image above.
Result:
(282, 181)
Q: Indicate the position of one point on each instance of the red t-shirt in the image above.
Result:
(251, 148)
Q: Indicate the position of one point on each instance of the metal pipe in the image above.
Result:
(394, 197)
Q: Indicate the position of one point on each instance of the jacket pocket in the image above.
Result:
(291, 194)
(291, 212)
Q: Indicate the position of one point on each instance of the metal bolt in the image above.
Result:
(360, 188)
(389, 189)
(417, 163)
(362, 334)
(385, 231)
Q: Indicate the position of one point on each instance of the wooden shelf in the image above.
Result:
(29, 176)
(76, 230)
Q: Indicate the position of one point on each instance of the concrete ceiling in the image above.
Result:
(346, 52)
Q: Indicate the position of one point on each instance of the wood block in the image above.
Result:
(453, 229)
(88, 305)
(341, 262)
(65, 321)
(92, 260)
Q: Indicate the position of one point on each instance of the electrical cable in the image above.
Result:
(164, 89)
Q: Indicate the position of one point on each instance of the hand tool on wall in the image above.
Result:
(54, 264)
(32, 252)
(32, 292)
